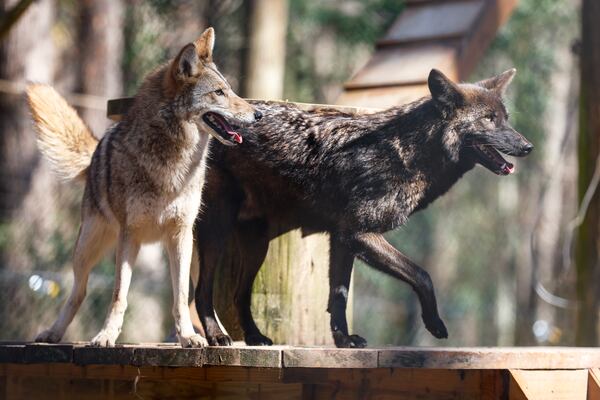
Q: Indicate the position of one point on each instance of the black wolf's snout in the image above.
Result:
(522, 147)
(512, 143)
(527, 148)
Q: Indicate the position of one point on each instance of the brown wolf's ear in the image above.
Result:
(499, 83)
(444, 91)
(204, 45)
(185, 64)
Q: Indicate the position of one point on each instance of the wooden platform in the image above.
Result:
(64, 371)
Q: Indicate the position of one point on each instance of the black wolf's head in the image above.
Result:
(477, 121)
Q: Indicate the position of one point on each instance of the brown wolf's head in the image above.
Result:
(478, 127)
(203, 95)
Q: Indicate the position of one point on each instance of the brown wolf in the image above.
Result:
(144, 178)
(352, 176)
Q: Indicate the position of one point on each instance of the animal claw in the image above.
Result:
(47, 336)
(436, 327)
(195, 341)
(104, 339)
(258, 339)
(349, 341)
(220, 339)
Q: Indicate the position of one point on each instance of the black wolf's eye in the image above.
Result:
(219, 92)
(490, 117)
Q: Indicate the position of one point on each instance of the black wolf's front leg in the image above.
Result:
(377, 252)
(340, 270)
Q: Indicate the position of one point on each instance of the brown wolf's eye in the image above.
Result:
(219, 92)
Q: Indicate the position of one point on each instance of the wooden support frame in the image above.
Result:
(64, 371)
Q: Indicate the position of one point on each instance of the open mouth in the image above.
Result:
(221, 127)
(490, 158)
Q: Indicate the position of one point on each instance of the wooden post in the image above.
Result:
(291, 289)
(588, 246)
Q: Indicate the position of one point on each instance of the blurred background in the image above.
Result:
(514, 259)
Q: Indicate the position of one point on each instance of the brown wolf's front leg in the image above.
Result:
(377, 252)
(340, 270)
(179, 248)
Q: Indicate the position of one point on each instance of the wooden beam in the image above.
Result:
(594, 384)
(116, 108)
(548, 384)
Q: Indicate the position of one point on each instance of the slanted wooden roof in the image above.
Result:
(450, 35)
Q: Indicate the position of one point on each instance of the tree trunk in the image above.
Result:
(100, 44)
(266, 53)
(588, 243)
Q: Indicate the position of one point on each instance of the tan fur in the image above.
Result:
(144, 179)
(62, 136)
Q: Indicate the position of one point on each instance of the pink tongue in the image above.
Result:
(508, 168)
(236, 136)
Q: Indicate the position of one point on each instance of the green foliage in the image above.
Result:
(345, 28)
(529, 42)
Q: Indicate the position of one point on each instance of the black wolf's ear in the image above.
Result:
(499, 83)
(186, 63)
(444, 91)
(204, 45)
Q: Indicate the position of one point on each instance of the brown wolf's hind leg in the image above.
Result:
(127, 251)
(95, 238)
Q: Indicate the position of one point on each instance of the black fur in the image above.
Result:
(353, 176)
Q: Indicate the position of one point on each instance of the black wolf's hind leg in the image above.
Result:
(209, 260)
(377, 252)
(340, 270)
(253, 245)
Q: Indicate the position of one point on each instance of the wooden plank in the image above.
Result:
(174, 356)
(266, 357)
(490, 358)
(390, 67)
(47, 353)
(494, 384)
(548, 385)
(12, 353)
(494, 15)
(119, 355)
(169, 355)
(116, 108)
(594, 384)
(431, 21)
(388, 383)
(329, 358)
(383, 97)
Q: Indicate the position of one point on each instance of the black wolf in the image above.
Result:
(354, 177)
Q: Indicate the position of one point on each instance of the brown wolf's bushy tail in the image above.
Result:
(62, 136)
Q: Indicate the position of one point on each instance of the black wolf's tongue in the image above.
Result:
(508, 168)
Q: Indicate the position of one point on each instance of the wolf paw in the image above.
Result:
(220, 339)
(195, 340)
(48, 336)
(258, 339)
(104, 339)
(349, 341)
(436, 326)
